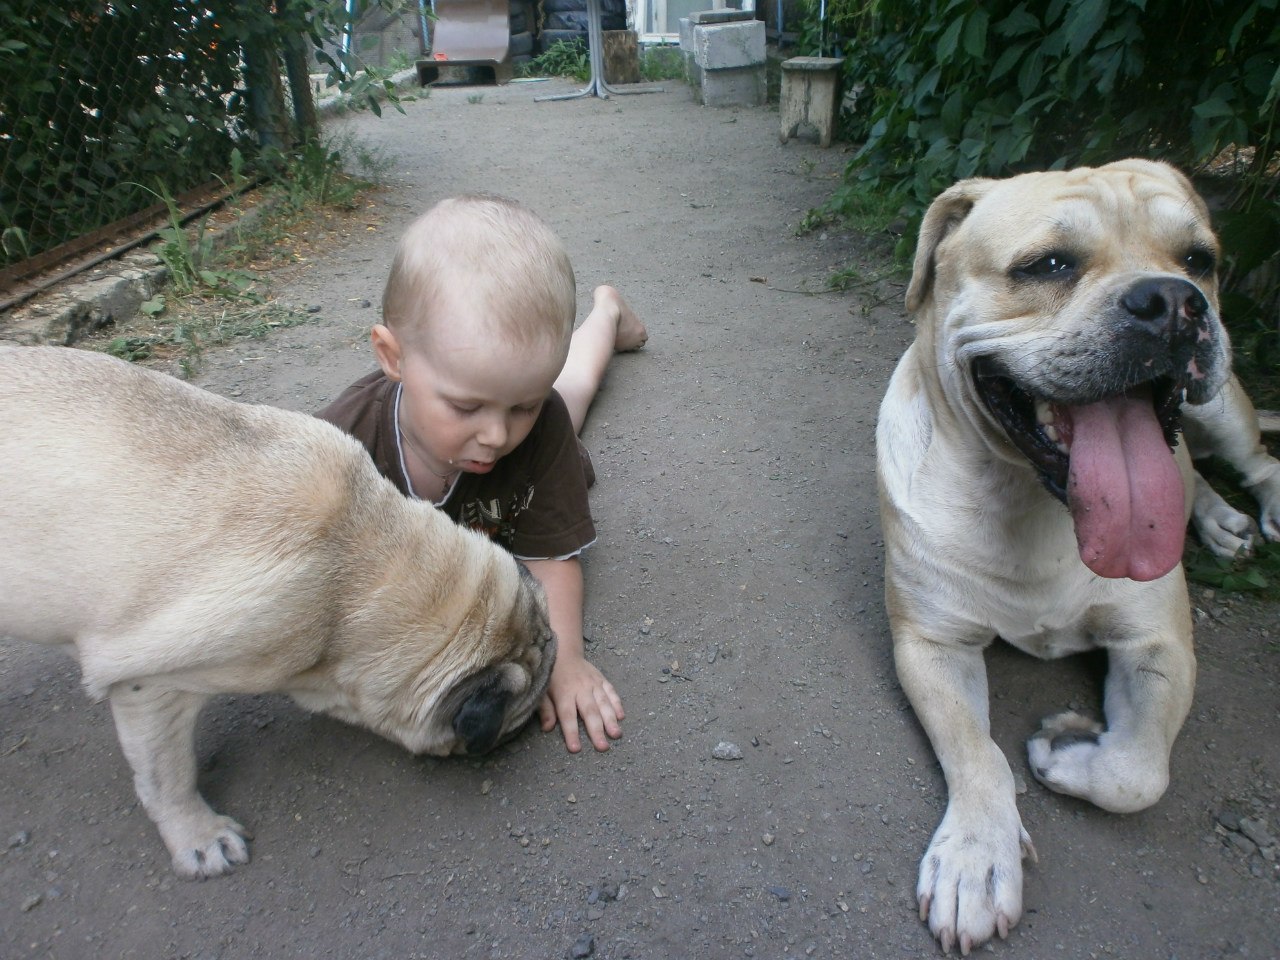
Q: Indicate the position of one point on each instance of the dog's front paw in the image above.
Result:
(1223, 529)
(208, 846)
(1073, 754)
(1267, 494)
(971, 878)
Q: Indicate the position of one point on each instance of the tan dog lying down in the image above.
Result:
(187, 546)
(1033, 487)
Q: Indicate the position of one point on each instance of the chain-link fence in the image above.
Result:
(104, 107)
(111, 108)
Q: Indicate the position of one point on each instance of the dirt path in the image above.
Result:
(735, 595)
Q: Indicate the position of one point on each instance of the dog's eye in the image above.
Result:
(1054, 265)
(1199, 261)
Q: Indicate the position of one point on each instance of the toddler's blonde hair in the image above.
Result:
(496, 253)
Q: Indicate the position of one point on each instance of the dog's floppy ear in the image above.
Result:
(947, 210)
(479, 720)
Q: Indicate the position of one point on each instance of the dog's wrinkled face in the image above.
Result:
(465, 695)
(490, 707)
(1072, 313)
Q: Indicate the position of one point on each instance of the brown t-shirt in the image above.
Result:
(533, 502)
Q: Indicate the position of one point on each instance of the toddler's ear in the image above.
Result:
(387, 349)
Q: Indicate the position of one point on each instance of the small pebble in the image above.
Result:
(31, 902)
(583, 947)
(767, 839)
(313, 308)
(724, 750)
(782, 893)
(19, 839)
(1256, 830)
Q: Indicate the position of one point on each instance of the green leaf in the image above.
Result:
(953, 114)
(949, 40)
(1083, 22)
(1018, 23)
(1030, 73)
(975, 33)
(1007, 60)
(1213, 107)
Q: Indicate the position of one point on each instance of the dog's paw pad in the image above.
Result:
(1053, 750)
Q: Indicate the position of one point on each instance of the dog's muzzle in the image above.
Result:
(1099, 428)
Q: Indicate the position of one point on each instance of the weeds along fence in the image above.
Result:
(108, 106)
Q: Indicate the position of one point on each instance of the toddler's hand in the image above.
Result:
(579, 691)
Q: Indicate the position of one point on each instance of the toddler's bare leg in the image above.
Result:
(611, 327)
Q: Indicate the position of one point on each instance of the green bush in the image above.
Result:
(957, 88)
(948, 89)
(564, 58)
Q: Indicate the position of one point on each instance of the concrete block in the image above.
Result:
(740, 87)
(692, 72)
(725, 46)
(721, 16)
(686, 36)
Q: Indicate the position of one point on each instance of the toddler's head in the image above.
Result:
(477, 317)
(483, 266)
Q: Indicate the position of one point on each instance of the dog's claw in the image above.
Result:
(1002, 926)
(925, 902)
(966, 944)
(1028, 848)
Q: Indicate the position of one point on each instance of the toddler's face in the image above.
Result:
(468, 400)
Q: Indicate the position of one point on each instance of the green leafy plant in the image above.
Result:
(661, 62)
(188, 257)
(564, 58)
(1259, 573)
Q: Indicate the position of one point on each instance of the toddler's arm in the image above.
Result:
(577, 690)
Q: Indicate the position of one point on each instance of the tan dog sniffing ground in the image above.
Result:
(186, 545)
(1033, 488)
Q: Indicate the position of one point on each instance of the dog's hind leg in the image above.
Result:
(1123, 767)
(970, 885)
(156, 727)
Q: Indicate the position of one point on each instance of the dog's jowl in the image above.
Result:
(185, 545)
(1034, 486)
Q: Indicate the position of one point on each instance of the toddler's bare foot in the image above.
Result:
(631, 333)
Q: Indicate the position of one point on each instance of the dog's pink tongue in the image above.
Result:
(1124, 490)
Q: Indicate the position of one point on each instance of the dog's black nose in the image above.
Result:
(1166, 307)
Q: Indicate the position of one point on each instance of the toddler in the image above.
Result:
(482, 389)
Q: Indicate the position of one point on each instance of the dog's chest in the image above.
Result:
(1049, 642)
(1049, 618)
